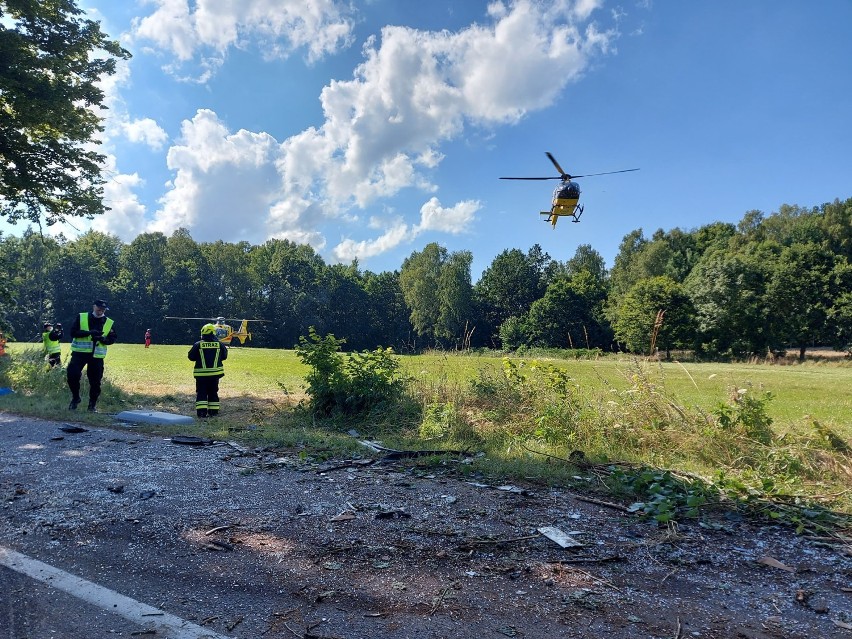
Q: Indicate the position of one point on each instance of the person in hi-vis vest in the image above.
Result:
(51, 334)
(91, 333)
(208, 353)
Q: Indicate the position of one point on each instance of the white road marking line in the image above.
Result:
(104, 598)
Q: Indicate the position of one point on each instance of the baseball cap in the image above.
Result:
(102, 304)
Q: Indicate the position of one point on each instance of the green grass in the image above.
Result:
(812, 389)
(800, 392)
(788, 434)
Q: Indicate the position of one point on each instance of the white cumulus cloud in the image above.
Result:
(145, 131)
(204, 30)
(224, 184)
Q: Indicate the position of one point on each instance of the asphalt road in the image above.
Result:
(110, 533)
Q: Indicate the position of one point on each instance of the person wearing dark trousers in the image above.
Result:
(208, 354)
(50, 337)
(91, 333)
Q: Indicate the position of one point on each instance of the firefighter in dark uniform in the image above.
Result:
(50, 337)
(91, 333)
(208, 354)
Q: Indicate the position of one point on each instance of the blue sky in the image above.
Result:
(373, 128)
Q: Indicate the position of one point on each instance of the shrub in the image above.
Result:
(348, 384)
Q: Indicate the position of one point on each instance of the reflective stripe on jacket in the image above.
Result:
(208, 362)
(86, 344)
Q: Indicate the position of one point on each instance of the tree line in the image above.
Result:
(765, 285)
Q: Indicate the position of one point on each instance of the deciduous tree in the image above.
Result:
(51, 60)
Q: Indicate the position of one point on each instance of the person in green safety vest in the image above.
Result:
(51, 334)
(91, 333)
(208, 354)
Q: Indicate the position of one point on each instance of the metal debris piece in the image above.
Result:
(371, 445)
(217, 529)
(513, 489)
(392, 514)
(557, 536)
(346, 515)
(774, 563)
(190, 440)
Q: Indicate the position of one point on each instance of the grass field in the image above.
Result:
(812, 390)
(781, 431)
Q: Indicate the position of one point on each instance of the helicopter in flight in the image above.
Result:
(566, 196)
(226, 333)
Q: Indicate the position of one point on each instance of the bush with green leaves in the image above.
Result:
(348, 384)
(747, 413)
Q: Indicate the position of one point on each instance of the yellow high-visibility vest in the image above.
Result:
(85, 344)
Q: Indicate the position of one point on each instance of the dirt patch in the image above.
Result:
(264, 544)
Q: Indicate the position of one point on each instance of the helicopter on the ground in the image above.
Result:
(225, 333)
(566, 196)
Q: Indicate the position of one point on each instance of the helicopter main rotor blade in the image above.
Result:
(562, 173)
(555, 177)
(206, 319)
(604, 173)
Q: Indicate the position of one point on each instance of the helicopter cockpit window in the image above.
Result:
(567, 191)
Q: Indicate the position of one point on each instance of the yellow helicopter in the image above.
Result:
(566, 196)
(225, 333)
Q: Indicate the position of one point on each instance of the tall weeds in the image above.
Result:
(532, 408)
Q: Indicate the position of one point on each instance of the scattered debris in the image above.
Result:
(514, 489)
(218, 528)
(774, 563)
(147, 494)
(237, 447)
(470, 544)
(396, 513)
(69, 428)
(588, 560)
(600, 502)
(116, 488)
(557, 536)
(236, 622)
(349, 463)
(346, 515)
(190, 440)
